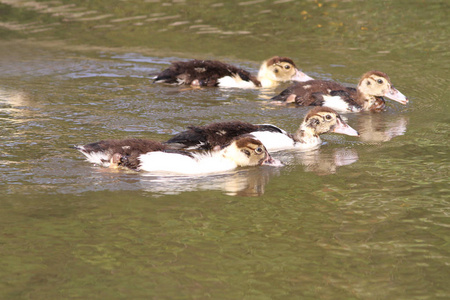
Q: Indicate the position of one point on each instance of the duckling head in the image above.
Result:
(246, 150)
(321, 120)
(378, 84)
(115, 160)
(280, 69)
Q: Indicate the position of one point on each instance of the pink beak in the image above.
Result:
(270, 161)
(344, 128)
(301, 77)
(395, 95)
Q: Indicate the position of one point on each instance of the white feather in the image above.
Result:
(275, 141)
(162, 162)
(235, 82)
(98, 158)
(336, 103)
(273, 126)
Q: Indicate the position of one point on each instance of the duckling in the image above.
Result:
(152, 156)
(318, 121)
(368, 96)
(215, 73)
(109, 153)
(280, 69)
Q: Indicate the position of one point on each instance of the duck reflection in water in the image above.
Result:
(377, 128)
(248, 182)
(373, 128)
(321, 161)
(17, 105)
(251, 182)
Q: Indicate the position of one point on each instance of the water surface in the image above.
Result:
(359, 218)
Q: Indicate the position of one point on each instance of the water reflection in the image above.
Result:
(376, 128)
(11, 99)
(319, 161)
(249, 182)
(15, 107)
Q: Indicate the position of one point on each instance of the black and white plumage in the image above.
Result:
(318, 121)
(111, 152)
(368, 96)
(216, 134)
(155, 157)
(216, 73)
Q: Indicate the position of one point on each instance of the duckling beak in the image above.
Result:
(344, 128)
(395, 95)
(300, 76)
(270, 161)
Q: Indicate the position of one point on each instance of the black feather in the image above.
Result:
(216, 134)
(205, 72)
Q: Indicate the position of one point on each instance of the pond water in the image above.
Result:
(359, 218)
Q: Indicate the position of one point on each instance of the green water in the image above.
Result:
(360, 218)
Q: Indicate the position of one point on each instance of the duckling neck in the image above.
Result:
(305, 135)
(266, 83)
(263, 77)
(226, 156)
(365, 100)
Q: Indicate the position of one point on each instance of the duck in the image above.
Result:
(368, 96)
(210, 73)
(156, 157)
(317, 121)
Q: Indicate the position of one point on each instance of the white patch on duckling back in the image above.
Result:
(162, 162)
(274, 141)
(234, 82)
(98, 158)
(197, 146)
(291, 98)
(274, 127)
(180, 81)
(337, 103)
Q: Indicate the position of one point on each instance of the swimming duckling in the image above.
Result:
(318, 121)
(368, 96)
(215, 73)
(108, 153)
(152, 156)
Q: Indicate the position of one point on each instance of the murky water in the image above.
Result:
(359, 218)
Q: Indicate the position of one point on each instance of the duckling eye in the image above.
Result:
(328, 117)
(380, 81)
(368, 82)
(275, 71)
(258, 150)
(287, 67)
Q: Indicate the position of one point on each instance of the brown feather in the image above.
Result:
(203, 72)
